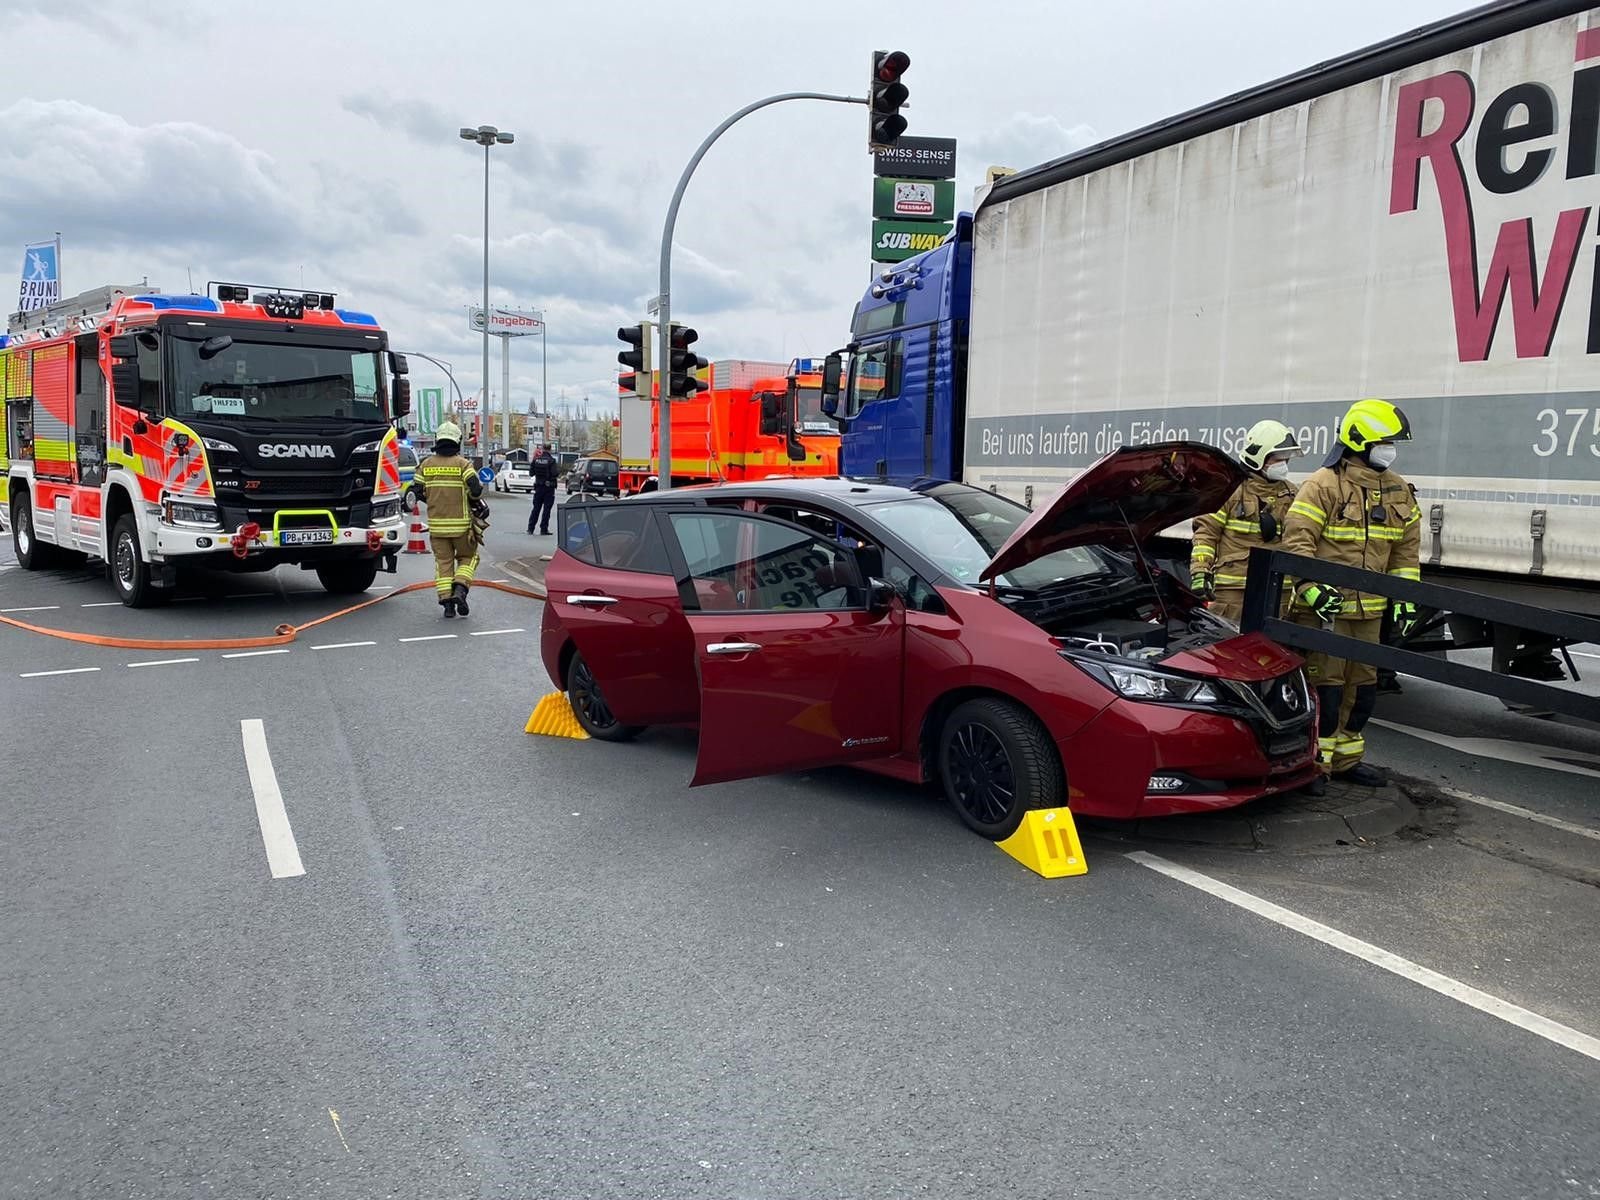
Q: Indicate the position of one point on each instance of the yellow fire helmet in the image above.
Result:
(1264, 439)
(448, 431)
(1370, 421)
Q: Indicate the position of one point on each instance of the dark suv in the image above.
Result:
(594, 476)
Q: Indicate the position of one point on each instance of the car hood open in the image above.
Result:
(1144, 489)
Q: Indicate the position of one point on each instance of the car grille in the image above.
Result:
(1286, 698)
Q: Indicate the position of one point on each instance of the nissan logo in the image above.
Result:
(1291, 697)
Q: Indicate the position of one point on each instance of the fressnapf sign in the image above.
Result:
(510, 322)
(918, 158)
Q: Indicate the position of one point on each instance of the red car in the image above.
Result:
(932, 631)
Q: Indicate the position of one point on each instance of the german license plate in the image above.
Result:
(305, 537)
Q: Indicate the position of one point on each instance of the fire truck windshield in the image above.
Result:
(809, 417)
(268, 381)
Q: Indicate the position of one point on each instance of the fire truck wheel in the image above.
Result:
(348, 578)
(32, 554)
(129, 572)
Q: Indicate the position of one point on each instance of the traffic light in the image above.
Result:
(681, 364)
(634, 380)
(885, 95)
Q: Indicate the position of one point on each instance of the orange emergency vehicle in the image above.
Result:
(237, 430)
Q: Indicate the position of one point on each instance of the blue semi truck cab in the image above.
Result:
(901, 413)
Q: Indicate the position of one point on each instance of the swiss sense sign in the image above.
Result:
(512, 322)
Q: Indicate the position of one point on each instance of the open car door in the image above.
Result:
(797, 668)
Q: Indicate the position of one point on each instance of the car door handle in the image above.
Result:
(733, 647)
(592, 601)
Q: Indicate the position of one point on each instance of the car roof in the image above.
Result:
(839, 489)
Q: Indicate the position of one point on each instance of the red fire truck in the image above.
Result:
(239, 430)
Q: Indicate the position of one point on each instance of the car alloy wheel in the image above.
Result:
(590, 707)
(996, 762)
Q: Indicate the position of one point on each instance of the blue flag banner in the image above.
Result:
(41, 276)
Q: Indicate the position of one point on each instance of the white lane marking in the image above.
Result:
(432, 637)
(342, 645)
(383, 587)
(283, 856)
(254, 653)
(1526, 814)
(492, 632)
(163, 662)
(68, 671)
(1513, 1014)
(1581, 654)
(103, 604)
(35, 608)
(1528, 754)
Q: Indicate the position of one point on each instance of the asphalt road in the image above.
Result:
(523, 966)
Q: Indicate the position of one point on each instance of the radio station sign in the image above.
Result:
(914, 199)
(509, 322)
(917, 158)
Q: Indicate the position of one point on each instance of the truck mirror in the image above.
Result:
(402, 397)
(832, 373)
(398, 364)
(771, 414)
(214, 346)
(125, 345)
(125, 380)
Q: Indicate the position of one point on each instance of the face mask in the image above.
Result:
(1382, 456)
(1277, 471)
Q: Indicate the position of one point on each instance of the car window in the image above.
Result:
(625, 538)
(741, 563)
(577, 534)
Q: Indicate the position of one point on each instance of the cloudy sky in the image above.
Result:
(275, 142)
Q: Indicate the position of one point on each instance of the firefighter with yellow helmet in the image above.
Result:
(1253, 516)
(1358, 512)
(457, 516)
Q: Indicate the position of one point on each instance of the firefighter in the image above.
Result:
(1358, 512)
(544, 470)
(1253, 516)
(448, 485)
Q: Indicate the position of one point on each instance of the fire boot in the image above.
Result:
(448, 603)
(459, 595)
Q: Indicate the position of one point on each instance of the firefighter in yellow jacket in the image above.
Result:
(1253, 516)
(447, 484)
(1358, 512)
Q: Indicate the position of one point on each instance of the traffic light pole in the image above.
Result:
(664, 313)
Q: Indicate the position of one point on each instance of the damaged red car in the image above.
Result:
(934, 632)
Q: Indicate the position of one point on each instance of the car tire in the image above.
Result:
(349, 578)
(126, 567)
(995, 762)
(589, 705)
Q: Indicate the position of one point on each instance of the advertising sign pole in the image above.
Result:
(505, 391)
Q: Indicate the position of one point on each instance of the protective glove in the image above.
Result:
(1325, 601)
(1203, 584)
(1405, 615)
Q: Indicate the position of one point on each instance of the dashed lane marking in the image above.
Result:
(67, 671)
(254, 653)
(103, 604)
(492, 632)
(1527, 814)
(432, 637)
(34, 608)
(342, 645)
(162, 662)
(283, 855)
(1504, 1010)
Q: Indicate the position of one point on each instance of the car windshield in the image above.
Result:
(268, 381)
(961, 528)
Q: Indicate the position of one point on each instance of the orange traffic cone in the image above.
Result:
(417, 542)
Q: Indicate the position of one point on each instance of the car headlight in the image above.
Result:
(1146, 683)
(385, 510)
(214, 444)
(190, 514)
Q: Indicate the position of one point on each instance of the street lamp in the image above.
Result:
(486, 136)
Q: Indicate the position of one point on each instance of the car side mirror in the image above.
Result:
(402, 397)
(880, 595)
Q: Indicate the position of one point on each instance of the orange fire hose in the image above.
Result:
(282, 636)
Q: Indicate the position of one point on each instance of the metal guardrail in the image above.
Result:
(1262, 598)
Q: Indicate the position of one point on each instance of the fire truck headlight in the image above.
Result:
(386, 510)
(191, 514)
(366, 448)
(214, 444)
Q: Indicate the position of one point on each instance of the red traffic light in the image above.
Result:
(891, 65)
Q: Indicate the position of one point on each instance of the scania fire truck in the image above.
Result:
(239, 430)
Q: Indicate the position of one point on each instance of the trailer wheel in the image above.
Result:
(996, 762)
(129, 572)
(348, 578)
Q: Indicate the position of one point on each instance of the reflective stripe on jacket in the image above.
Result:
(1358, 517)
(447, 486)
(1223, 539)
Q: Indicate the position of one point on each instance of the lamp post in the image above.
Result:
(486, 136)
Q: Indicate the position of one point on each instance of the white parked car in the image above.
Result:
(513, 477)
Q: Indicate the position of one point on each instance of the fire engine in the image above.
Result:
(239, 430)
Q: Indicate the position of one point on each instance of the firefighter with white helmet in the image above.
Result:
(447, 483)
(1358, 512)
(1253, 516)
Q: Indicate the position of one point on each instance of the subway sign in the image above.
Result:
(894, 241)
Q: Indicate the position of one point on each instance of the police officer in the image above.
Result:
(448, 485)
(1358, 512)
(544, 470)
(1253, 516)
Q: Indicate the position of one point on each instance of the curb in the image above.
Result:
(516, 569)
